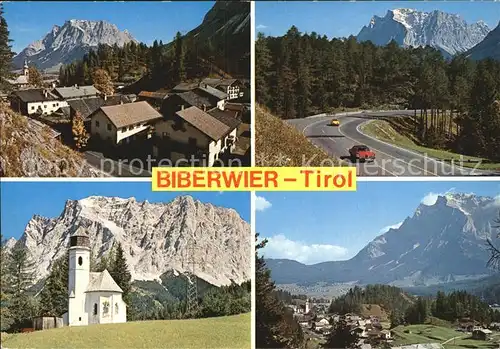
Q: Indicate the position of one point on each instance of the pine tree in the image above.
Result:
(21, 275)
(54, 296)
(120, 272)
(263, 57)
(80, 135)
(275, 328)
(6, 319)
(180, 69)
(6, 53)
(341, 337)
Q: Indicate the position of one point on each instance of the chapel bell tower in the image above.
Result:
(78, 279)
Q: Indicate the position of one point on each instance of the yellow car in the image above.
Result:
(335, 122)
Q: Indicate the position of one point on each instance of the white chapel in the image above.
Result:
(94, 298)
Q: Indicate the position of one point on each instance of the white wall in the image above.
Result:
(233, 92)
(113, 135)
(129, 131)
(78, 281)
(99, 127)
(220, 146)
(114, 300)
(48, 107)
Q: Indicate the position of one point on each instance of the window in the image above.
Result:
(53, 105)
(116, 308)
(109, 126)
(97, 123)
(79, 319)
(32, 107)
(45, 106)
(80, 261)
(192, 141)
(95, 308)
(105, 308)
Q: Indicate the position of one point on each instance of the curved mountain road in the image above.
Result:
(390, 160)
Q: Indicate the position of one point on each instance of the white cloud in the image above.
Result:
(261, 26)
(431, 198)
(279, 246)
(495, 203)
(261, 203)
(386, 229)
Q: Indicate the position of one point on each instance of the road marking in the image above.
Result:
(387, 154)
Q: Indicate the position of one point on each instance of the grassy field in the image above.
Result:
(384, 130)
(279, 144)
(222, 332)
(451, 339)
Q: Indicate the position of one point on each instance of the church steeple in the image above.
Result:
(79, 274)
(25, 68)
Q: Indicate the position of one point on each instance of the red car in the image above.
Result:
(361, 153)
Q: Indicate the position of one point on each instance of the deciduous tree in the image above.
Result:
(102, 81)
(80, 134)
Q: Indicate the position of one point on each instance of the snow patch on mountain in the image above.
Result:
(69, 42)
(446, 32)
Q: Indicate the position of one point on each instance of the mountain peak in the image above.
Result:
(69, 42)
(156, 237)
(446, 32)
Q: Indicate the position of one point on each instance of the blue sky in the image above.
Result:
(312, 227)
(341, 19)
(145, 20)
(22, 200)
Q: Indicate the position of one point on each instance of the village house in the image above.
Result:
(87, 106)
(119, 124)
(192, 132)
(43, 129)
(153, 98)
(212, 92)
(481, 334)
(21, 81)
(176, 102)
(35, 102)
(185, 87)
(75, 92)
(230, 86)
(94, 298)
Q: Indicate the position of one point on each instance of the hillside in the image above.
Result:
(440, 243)
(223, 332)
(279, 144)
(226, 28)
(28, 149)
(488, 48)
(218, 47)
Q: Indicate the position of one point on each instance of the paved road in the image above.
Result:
(114, 168)
(390, 160)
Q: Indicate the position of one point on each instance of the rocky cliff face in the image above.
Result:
(488, 48)
(441, 243)
(446, 32)
(29, 149)
(64, 44)
(156, 237)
